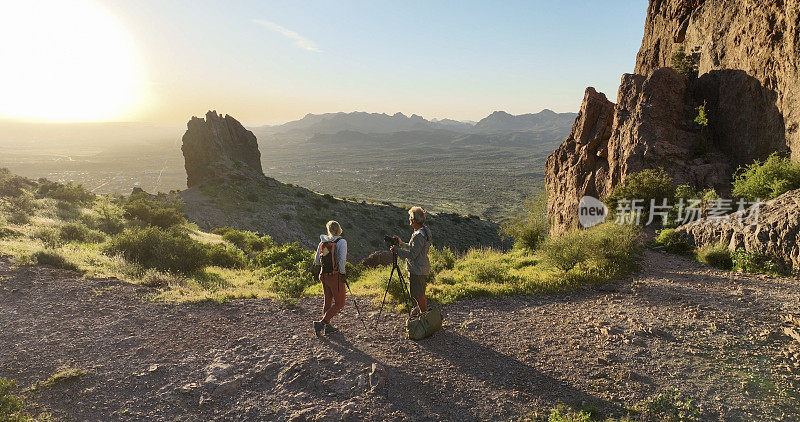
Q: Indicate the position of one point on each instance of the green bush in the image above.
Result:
(109, 217)
(163, 214)
(683, 63)
(23, 203)
(164, 250)
(607, 249)
(289, 288)
(441, 259)
(766, 180)
(289, 257)
(78, 232)
(12, 185)
(752, 262)
(67, 192)
(646, 185)
(479, 266)
(160, 279)
(52, 258)
(49, 236)
(716, 255)
(529, 228)
(11, 405)
(226, 256)
(668, 407)
(247, 241)
(672, 242)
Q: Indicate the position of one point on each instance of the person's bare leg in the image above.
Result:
(422, 303)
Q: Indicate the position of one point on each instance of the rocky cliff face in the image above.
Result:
(219, 147)
(747, 55)
(759, 37)
(772, 230)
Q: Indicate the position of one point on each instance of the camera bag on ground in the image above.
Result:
(327, 256)
(424, 325)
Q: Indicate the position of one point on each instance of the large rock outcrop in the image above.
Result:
(748, 86)
(772, 230)
(219, 147)
(759, 37)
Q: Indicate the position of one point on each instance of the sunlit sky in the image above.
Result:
(267, 62)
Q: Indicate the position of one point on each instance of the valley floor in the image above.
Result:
(714, 336)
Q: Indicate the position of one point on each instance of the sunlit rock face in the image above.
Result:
(219, 147)
(759, 37)
(747, 80)
(773, 230)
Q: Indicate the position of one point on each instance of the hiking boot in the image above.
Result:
(330, 329)
(318, 326)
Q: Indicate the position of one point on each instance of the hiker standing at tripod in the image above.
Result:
(331, 256)
(415, 252)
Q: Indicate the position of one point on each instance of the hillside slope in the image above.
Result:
(714, 336)
(228, 188)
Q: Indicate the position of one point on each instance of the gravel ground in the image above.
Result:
(714, 336)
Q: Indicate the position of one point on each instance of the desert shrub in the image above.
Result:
(164, 250)
(49, 236)
(247, 241)
(667, 407)
(607, 248)
(163, 214)
(683, 63)
(289, 257)
(441, 259)
(479, 266)
(106, 217)
(353, 271)
(646, 185)
(67, 192)
(226, 256)
(289, 288)
(12, 185)
(752, 262)
(22, 203)
(160, 279)
(562, 413)
(79, 232)
(11, 405)
(52, 258)
(18, 217)
(766, 180)
(716, 255)
(529, 228)
(672, 242)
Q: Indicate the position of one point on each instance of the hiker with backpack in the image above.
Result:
(415, 252)
(331, 256)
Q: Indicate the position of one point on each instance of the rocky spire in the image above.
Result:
(219, 147)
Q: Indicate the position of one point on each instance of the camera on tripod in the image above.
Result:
(391, 240)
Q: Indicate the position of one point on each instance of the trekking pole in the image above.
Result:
(355, 302)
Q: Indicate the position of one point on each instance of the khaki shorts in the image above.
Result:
(418, 284)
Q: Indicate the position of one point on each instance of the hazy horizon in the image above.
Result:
(271, 62)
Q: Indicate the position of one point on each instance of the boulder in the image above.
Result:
(219, 147)
(377, 259)
(772, 229)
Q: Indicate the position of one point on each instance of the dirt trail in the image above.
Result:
(712, 335)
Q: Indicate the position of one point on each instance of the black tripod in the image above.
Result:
(400, 279)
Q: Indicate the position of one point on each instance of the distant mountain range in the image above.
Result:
(372, 123)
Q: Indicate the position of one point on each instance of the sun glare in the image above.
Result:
(66, 61)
